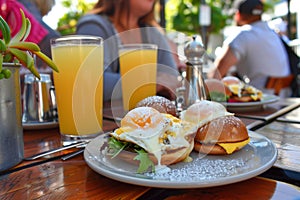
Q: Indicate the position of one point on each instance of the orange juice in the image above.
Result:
(79, 88)
(138, 71)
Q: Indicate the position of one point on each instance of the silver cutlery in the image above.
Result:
(39, 155)
(73, 154)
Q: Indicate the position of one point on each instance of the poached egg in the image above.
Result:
(155, 132)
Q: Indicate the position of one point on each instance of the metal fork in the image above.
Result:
(39, 155)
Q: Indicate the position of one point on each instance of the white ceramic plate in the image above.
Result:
(204, 171)
(266, 99)
(39, 125)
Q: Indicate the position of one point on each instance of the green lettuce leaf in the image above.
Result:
(218, 96)
(145, 161)
(116, 146)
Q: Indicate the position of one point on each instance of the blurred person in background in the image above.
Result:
(280, 27)
(124, 22)
(255, 50)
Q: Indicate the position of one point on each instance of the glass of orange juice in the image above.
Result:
(78, 86)
(138, 64)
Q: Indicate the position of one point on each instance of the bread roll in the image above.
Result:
(225, 130)
(216, 128)
(229, 80)
(204, 111)
(162, 104)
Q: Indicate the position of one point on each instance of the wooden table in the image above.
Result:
(52, 178)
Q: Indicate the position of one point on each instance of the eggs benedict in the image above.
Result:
(151, 139)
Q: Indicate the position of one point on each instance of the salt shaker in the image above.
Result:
(195, 89)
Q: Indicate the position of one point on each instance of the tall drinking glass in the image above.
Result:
(78, 86)
(138, 64)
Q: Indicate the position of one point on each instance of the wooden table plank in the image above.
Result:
(37, 141)
(74, 179)
(64, 180)
(286, 137)
(255, 188)
(53, 178)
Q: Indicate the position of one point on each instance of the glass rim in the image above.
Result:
(139, 46)
(76, 38)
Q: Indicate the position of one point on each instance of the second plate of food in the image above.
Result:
(245, 106)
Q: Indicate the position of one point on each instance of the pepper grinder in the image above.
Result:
(195, 89)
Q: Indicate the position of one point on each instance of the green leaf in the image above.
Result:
(5, 30)
(145, 161)
(30, 46)
(8, 57)
(17, 50)
(47, 60)
(20, 34)
(26, 59)
(116, 146)
(29, 61)
(218, 96)
(28, 29)
(2, 46)
(31, 67)
(1, 61)
(1, 75)
(20, 55)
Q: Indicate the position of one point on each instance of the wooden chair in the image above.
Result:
(278, 83)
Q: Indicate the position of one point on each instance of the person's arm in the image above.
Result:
(225, 62)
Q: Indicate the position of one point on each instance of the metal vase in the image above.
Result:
(11, 131)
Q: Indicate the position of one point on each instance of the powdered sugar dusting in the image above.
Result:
(201, 169)
(160, 103)
(236, 122)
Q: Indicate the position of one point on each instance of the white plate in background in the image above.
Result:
(254, 105)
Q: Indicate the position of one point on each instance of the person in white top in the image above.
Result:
(280, 27)
(255, 50)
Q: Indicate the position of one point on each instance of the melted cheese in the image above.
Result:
(235, 89)
(231, 147)
(256, 94)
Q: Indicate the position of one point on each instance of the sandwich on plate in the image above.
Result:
(218, 131)
(151, 139)
(232, 89)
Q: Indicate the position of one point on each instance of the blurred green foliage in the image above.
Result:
(67, 24)
(183, 15)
